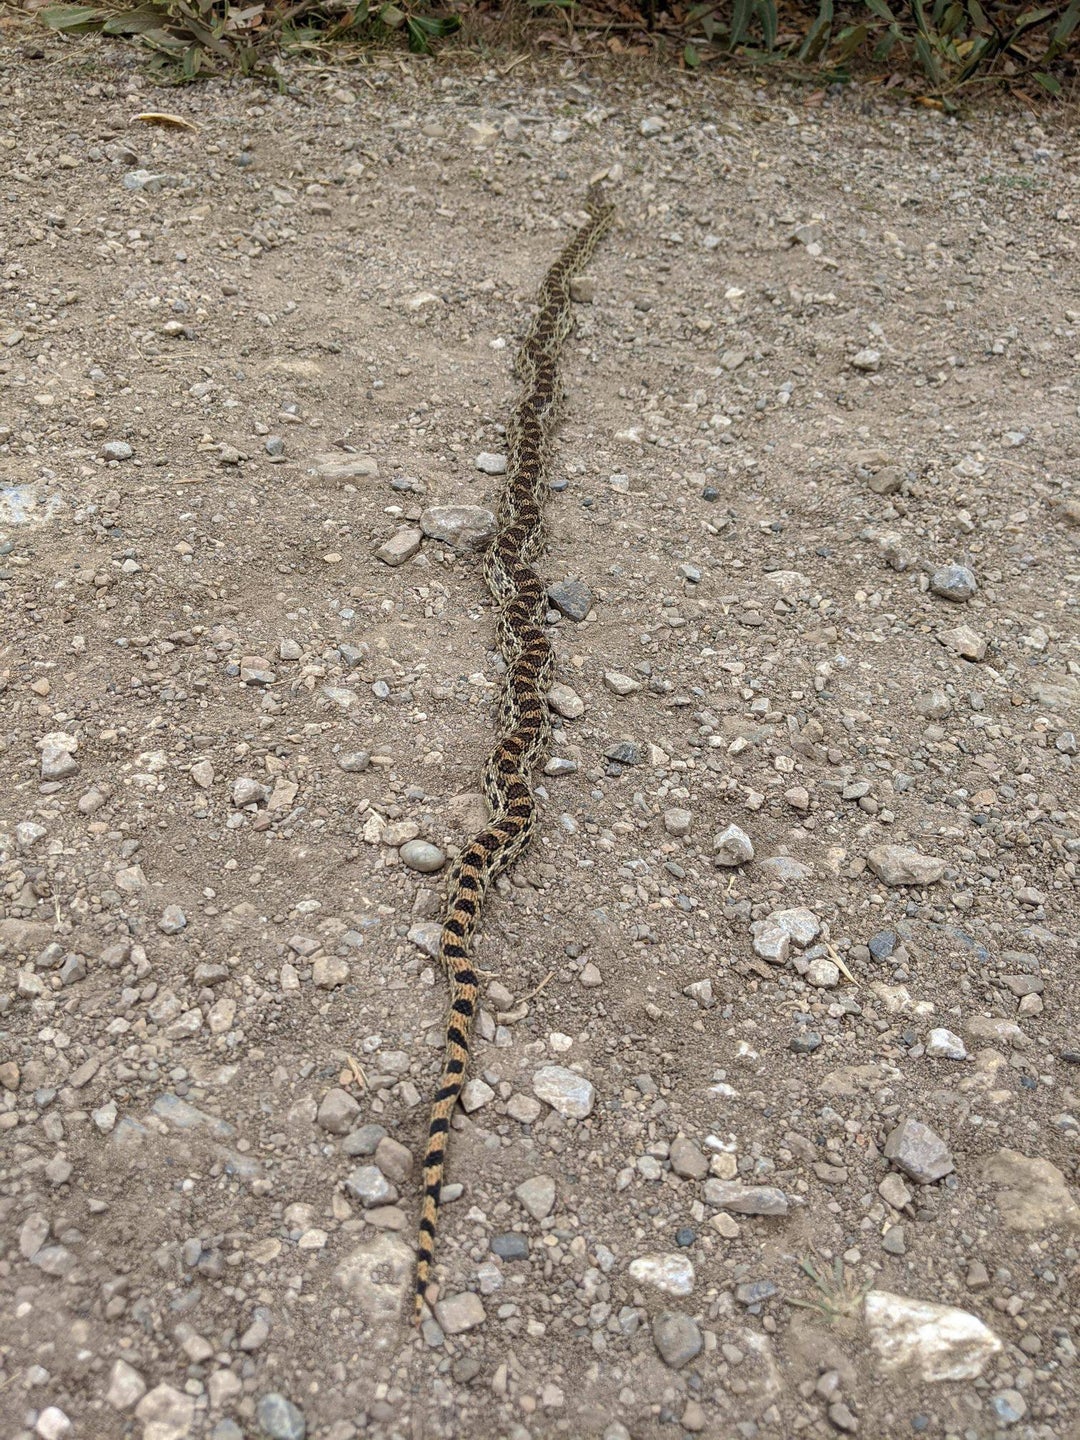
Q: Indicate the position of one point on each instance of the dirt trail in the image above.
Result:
(816, 510)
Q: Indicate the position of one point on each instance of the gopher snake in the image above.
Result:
(524, 724)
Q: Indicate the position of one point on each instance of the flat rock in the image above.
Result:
(467, 527)
(537, 1195)
(1032, 1194)
(401, 546)
(745, 1199)
(458, 1313)
(963, 641)
(673, 1274)
(377, 1278)
(489, 464)
(166, 1414)
(564, 1090)
(914, 1148)
(900, 865)
(801, 924)
(937, 1342)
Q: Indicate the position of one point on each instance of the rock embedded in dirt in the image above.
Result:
(900, 865)
(963, 641)
(672, 1274)
(491, 464)
(732, 847)
(942, 1043)
(935, 1342)
(914, 1148)
(745, 1199)
(337, 1111)
(571, 598)
(400, 547)
(459, 1313)
(953, 582)
(565, 1091)
(677, 1338)
(469, 527)
(279, 1418)
(422, 856)
(1032, 1193)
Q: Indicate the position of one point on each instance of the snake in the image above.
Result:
(524, 726)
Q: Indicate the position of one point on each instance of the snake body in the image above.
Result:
(524, 724)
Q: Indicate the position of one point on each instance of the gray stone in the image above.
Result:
(625, 752)
(126, 1386)
(370, 1186)
(329, 971)
(1009, 1406)
(489, 464)
(116, 450)
(823, 973)
(900, 865)
(953, 582)
(687, 1160)
(934, 705)
(677, 822)
(564, 1090)
(572, 598)
(963, 641)
(339, 466)
(511, 1246)
(279, 1418)
(771, 943)
(732, 847)
(393, 1159)
(422, 856)
(745, 1199)
(337, 1112)
(538, 1196)
(354, 762)
(620, 684)
(914, 1148)
(941, 1043)
(468, 527)
(172, 920)
(565, 702)
(400, 547)
(677, 1338)
(867, 360)
(458, 1313)
(801, 924)
(247, 791)
(57, 755)
(364, 1140)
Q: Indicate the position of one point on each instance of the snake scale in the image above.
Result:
(524, 725)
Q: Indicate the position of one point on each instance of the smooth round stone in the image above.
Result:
(510, 1246)
(422, 856)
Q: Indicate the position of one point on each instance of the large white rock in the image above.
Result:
(564, 1090)
(673, 1274)
(938, 1341)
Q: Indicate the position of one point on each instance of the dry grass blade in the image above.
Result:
(163, 118)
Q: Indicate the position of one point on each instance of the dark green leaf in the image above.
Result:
(740, 18)
(1048, 83)
(766, 10)
(818, 34)
(691, 58)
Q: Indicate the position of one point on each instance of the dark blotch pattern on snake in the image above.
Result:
(524, 725)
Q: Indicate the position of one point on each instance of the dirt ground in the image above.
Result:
(734, 1122)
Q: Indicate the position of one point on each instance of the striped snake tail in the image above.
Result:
(524, 725)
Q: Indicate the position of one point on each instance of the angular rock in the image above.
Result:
(279, 1418)
(943, 1044)
(900, 865)
(468, 527)
(963, 641)
(537, 1195)
(166, 1414)
(732, 847)
(400, 547)
(126, 1386)
(953, 582)
(337, 1111)
(370, 1186)
(564, 1090)
(938, 1342)
(458, 1313)
(572, 598)
(914, 1148)
(745, 1199)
